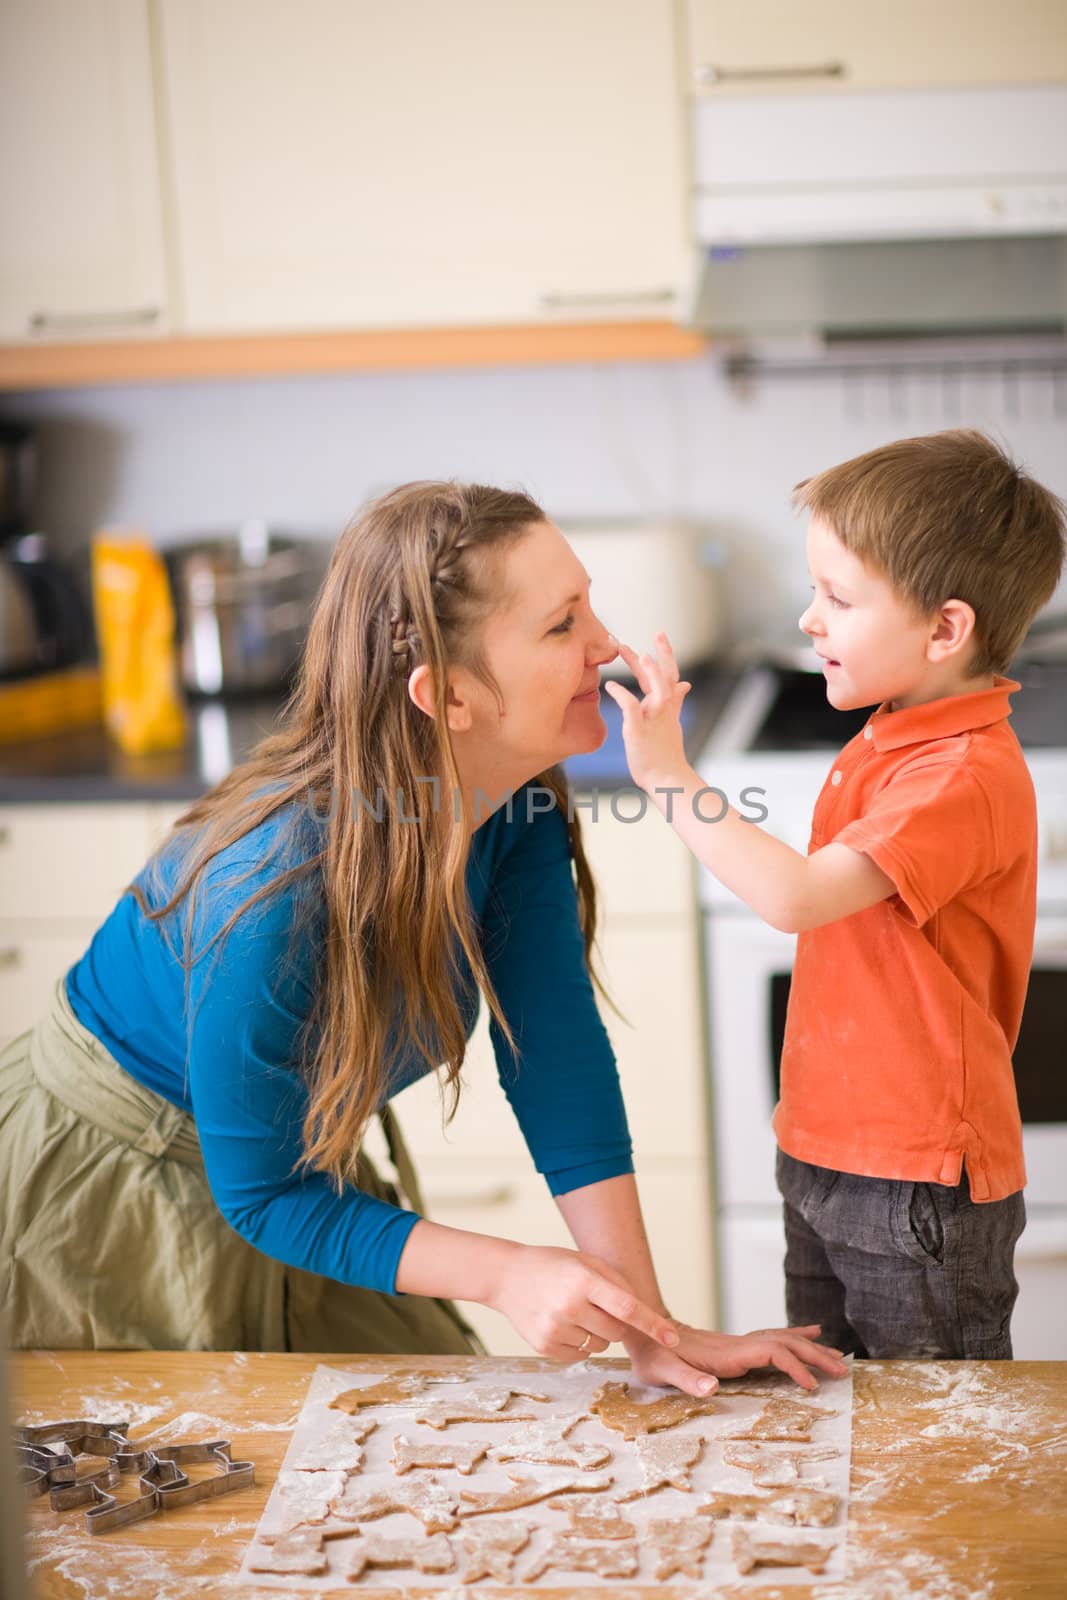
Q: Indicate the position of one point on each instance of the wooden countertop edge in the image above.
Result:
(40, 366)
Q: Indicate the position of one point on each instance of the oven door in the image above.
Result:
(748, 970)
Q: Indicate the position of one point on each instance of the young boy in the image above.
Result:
(900, 1146)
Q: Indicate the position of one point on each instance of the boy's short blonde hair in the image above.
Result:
(948, 516)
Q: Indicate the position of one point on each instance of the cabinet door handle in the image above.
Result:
(710, 73)
(10, 956)
(494, 1194)
(555, 300)
(138, 316)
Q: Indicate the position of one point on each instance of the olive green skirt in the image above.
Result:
(110, 1237)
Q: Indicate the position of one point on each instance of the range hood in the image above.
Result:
(865, 215)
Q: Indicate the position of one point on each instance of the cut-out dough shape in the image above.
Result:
(462, 1454)
(593, 1516)
(429, 1501)
(489, 1406)
(490, 1550)
(306, 1496)
(805, 1508)
(751, 1550)
(569, 1554)
(783, 1418)
(775, 1383)
(528, 1491)
(337, 1450)
(301, 1552)
(665, 1463)
(774, 1466)
(547, 1441)
(398, 1390)
(376, 1550)
(617, 1411)
(679, 1544)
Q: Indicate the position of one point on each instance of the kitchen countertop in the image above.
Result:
(87, 766)
(959, 1475)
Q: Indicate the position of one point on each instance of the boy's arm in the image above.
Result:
(792, 892)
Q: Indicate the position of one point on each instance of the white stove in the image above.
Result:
(773, 746)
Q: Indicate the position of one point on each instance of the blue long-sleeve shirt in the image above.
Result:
(227, 1046)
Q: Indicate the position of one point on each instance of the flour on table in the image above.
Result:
(394, 1483)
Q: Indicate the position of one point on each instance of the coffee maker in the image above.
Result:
(44, 619)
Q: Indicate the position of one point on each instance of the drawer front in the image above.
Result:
(68, 861)
(30, 964)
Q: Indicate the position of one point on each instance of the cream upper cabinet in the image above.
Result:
(81, 249)
(791, 46)
(343, 164)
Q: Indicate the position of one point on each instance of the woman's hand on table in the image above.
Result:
(701, 1358)
(568, 1305)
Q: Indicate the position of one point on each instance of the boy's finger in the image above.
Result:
(625, 701)
(635, 664)
(666, 651)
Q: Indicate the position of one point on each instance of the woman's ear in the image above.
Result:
(420, 693)
(953, 630)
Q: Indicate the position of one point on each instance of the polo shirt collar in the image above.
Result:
(941, 719)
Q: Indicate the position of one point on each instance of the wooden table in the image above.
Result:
(959, 1475)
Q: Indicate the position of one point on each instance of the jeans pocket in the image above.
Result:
(921, 1219)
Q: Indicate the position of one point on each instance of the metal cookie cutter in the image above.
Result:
(231, 1474)
(39, 1468)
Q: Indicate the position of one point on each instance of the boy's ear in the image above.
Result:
(420, 693)
(953, 630)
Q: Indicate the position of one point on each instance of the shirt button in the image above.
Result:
(835, 778)
(868, 732)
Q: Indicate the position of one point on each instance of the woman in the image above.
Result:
(180, 1137)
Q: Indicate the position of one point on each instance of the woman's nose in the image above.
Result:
(604, 646)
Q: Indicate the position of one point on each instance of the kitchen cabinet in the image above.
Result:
(62, 867)
(82, 251)
(477, 1173)
(356, 166)
(818, 46)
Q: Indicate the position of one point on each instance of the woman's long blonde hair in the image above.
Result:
(411, 581)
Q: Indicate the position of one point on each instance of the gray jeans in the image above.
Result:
(899, 1271)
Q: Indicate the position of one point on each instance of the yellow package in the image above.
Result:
(135, 632)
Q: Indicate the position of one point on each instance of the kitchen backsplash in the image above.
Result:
(586, 441)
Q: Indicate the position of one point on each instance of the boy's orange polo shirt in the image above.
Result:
(902, 1018)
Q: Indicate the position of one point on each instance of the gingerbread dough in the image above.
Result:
(616, 1410)
(679, 1544)
(302, 1551)
(491, 1548)
(306, 1496)
(546, 1441)
(399, 1390)
(751, 1550)
(433, 1505)
(783, 1418)
(463, 1455)
(338, 1450)
(375, 1550)
(528, 1491)
(806, 1508)
(571, 1554)
(665, 1463)
(488, 1406)
(592, 1516)
(774, 1465)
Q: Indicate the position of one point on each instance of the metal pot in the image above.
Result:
(243, 603)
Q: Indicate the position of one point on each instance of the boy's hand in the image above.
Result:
(651, 728)
(727, 1355)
